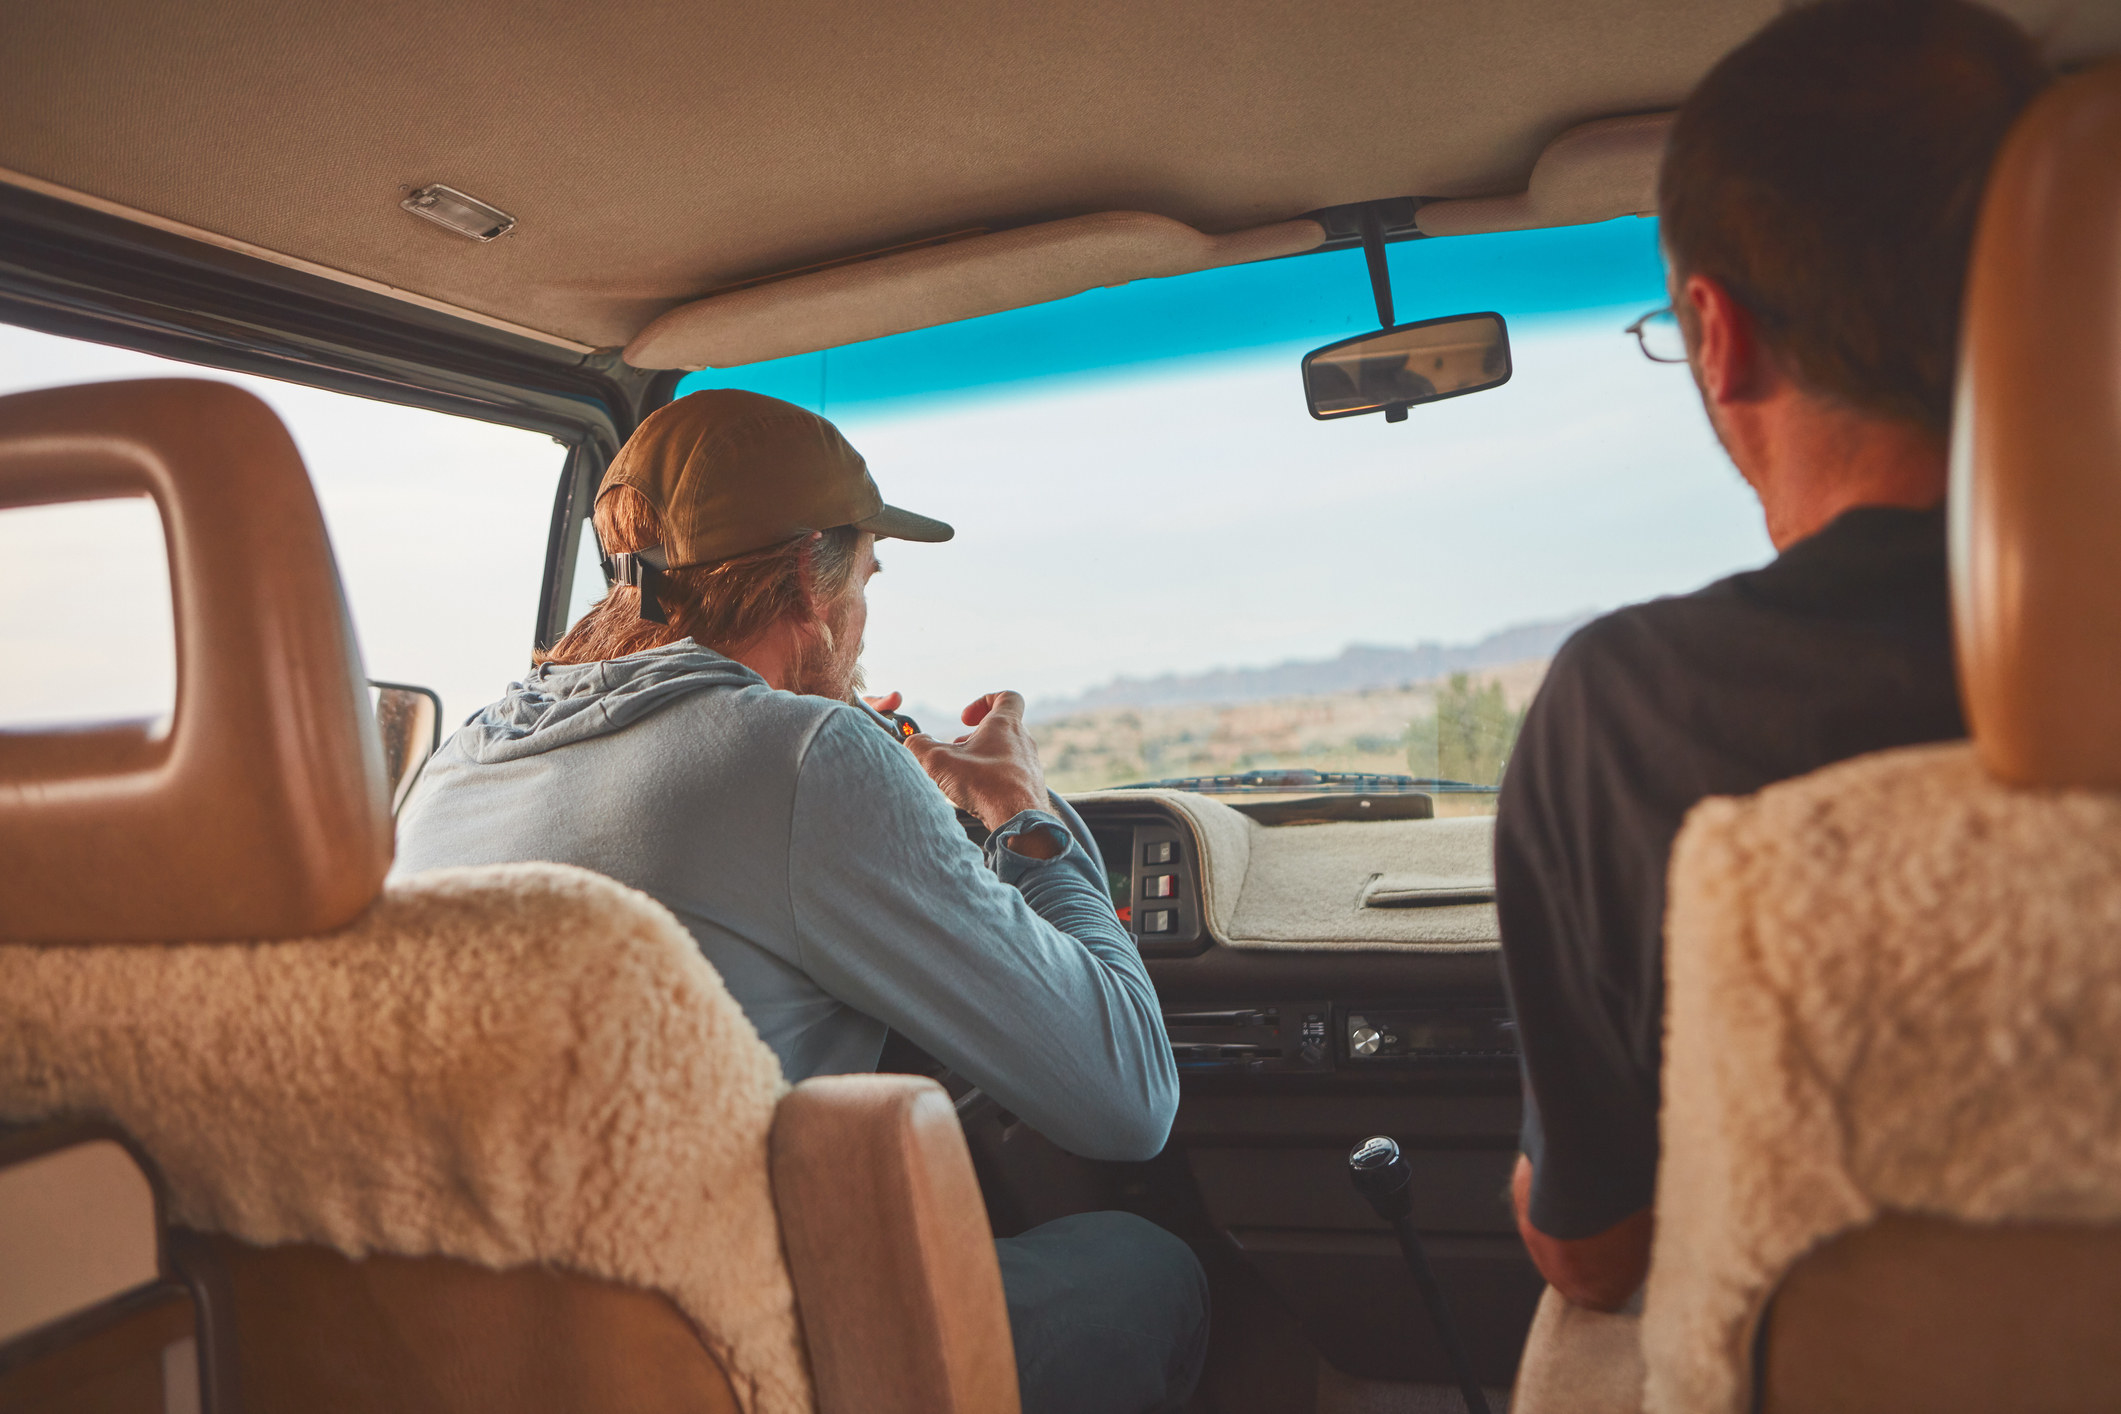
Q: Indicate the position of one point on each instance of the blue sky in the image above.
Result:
(1308, 300)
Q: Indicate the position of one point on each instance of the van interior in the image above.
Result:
(1253, 335)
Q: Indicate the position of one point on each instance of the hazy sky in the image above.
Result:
(1197, 517)
(1170, 517)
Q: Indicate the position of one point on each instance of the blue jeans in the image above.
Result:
(1109, 1314)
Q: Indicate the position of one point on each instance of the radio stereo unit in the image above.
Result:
(1405, 1036)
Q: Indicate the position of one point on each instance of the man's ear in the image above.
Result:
(1729, 363)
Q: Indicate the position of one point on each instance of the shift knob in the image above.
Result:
(1382, 1175)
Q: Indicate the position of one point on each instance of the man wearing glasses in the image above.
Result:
(1817, 205)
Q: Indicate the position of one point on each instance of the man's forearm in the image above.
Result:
(1068, 892)
(1601, 1271)
(1071, 894)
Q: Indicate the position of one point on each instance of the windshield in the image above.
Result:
(1188, 576)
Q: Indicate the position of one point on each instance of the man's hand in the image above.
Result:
(1601, 1271)
(993, 771)
(889, 702)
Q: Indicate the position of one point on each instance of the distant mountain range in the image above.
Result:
(1360, 666)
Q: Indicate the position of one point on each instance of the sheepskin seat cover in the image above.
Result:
(509, 1065)
(1891, 984)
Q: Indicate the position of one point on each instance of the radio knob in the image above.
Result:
(1364, 1040)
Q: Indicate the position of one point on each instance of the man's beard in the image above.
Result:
(828, 666)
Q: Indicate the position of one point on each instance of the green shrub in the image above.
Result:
(1469, 736)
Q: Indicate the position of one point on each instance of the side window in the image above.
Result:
(589, 583)
(438, 524)
(85, 623)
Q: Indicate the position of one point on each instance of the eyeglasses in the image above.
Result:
(1658, 333)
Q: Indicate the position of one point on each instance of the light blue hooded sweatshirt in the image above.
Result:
(825, 878)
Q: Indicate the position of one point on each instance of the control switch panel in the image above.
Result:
(1154, 873)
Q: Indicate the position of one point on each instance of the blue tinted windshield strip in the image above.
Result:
(1302, 300)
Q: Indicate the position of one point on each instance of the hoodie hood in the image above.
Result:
(558, 705)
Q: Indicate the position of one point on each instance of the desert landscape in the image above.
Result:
(1458, 724)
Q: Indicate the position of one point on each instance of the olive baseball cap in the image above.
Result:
(734, 472)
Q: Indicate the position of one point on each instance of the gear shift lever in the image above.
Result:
(1382, 1175)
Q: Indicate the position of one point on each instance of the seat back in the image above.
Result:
(1926, 1312)
(2036, 449)
(261, 810)
(474, 1139)
(1948, 1317)
(1892, 1161)
(95, 1311)
(888, 1242)
(439, 1335)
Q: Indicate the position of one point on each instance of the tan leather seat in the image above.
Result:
(429, 1335)
(1920, 1312)
(473, 1140)
(1891, 1176)
(97, 1312)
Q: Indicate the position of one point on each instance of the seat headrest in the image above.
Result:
(262, 810)
(2036, 450)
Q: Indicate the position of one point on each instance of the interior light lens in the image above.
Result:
(466, 215)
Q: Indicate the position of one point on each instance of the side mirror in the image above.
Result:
(1396, 368)
(410, 719)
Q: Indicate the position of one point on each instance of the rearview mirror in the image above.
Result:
(1396, 368)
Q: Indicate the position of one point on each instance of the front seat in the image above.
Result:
(1891, 1175)
(477, 1139)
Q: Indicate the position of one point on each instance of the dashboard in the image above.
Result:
(1406, 914)
(1322, 982)
(1323, 977)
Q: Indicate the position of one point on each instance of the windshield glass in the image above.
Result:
(1187, 575)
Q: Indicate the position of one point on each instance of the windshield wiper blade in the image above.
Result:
(1304, 779)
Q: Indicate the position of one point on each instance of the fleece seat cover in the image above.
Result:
(507, 1065)
(1580, 1361)
(1891, 984)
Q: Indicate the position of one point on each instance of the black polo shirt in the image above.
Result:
(1839, 647)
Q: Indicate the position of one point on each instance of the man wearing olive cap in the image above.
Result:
(697, 735)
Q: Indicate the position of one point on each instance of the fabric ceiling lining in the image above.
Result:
(653, 151)
(918, 289)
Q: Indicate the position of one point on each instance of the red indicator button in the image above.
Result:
(1159, 886)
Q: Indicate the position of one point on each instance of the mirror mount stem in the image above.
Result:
(1371, 222)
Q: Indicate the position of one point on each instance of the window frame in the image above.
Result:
(84, 274)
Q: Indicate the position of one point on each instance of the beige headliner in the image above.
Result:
(653, 152)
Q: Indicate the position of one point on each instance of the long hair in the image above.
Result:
(722, 605)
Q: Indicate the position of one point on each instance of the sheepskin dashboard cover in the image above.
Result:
(1372, 885)
(508, 1065)
(1892, 985)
